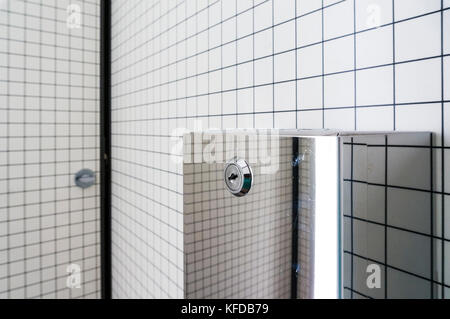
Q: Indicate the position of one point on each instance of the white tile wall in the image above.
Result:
(49, 129)
(375, 65)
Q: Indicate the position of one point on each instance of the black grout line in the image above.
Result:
(395, 268)
(187, 77)
(397, 187)
(406, 230)
(161, 21)
(38, 207)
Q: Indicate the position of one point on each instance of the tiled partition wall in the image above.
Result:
(349, 64)
(49, 121)
(388, 217)
(238, 247)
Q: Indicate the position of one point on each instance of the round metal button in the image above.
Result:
(238, 177)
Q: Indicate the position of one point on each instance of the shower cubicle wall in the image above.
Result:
(49, 130)
(270, 64)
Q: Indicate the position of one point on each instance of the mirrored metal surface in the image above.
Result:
(329, 215)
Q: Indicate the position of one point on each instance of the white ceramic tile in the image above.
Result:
(340, 119)
(309, 93)
(374, 47)
(339, 90)
(245, 101)
(334, 25)
(263, 16)
(229, 78)
(284, 94)
(446, 78)
(309, 29)
(372, 14)
(422, 117)
(284, 37)
(375, 86)
(309, 119)
(244, 24)
(229, 102)
(283, 10)
(229, 53)
(411, 8)
(418, 81)
(245, 49)
(263, 71)
(245, 74)
(304, 7)
(244, 5)
(229, 31)
(263, 99)
(284, 120)
(228, 9)
(446, 26)
(374, 118)
(245, 121)
(446, 119)
(284, 66)
(309, 61)
(338, 55)
(418, 38)
(263, 44)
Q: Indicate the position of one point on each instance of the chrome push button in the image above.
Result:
(238, 177)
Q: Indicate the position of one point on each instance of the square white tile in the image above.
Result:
(334, 24)
(375, 86)
(374, 47)
(405, 9)
(418, 81)
(339, 55)
(418, 38)
(339, 90)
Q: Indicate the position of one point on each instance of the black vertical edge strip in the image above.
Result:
(431, 218)
(386, 159)
(295, 221)
(443, 171)
(351, 219)
(105, 147)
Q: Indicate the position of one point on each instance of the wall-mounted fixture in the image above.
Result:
(320, 204)
(238, 177)
(85, 178)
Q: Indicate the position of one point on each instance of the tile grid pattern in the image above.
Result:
(238, 247)
(272, 63)
(49, 123)
(401, 238)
